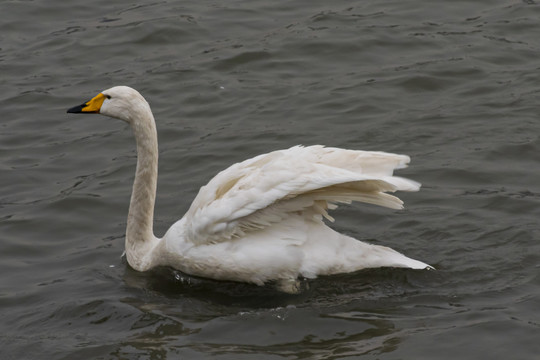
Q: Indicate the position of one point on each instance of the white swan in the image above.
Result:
(261, 219)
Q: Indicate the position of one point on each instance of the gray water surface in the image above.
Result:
(453, 84)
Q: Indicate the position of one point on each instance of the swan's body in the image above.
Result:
(261, 219)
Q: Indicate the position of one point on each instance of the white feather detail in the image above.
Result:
(259, 192)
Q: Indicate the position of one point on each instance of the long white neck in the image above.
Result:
(140, 239)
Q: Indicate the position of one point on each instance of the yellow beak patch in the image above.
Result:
(92, 106)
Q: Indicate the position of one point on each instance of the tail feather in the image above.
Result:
(328, 252)
(387, 257)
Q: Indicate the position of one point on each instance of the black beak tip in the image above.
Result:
(76, 109)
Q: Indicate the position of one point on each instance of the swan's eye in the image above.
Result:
(108, 96)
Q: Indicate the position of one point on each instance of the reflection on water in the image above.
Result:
(229, 318)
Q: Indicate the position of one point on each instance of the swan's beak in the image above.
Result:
(92, 106)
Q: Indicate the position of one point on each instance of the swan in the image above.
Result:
(260, 220)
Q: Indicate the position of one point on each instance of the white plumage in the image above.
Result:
(261, 219)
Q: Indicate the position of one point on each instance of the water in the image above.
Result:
(455, 85)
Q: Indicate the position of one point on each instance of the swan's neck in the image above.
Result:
(140, 239)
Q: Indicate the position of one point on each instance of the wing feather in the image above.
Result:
(264, 190)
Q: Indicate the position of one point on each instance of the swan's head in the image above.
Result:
(120, 102)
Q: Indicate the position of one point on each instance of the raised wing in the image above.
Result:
(261, 191)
